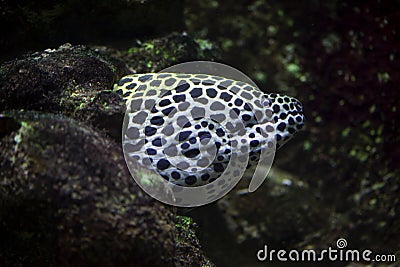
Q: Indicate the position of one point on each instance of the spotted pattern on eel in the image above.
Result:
(183, 124)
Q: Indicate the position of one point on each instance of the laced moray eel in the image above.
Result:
(182, 124)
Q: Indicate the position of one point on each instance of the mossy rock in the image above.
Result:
(154, 55)
(72, 80)
(67, 198)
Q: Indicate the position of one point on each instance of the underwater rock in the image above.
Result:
(154, 55)
(72, 80)
(67, 199)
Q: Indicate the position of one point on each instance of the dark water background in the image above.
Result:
(340, 58)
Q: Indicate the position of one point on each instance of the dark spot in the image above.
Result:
(166, 92)
(218, 145)
(211, 93)
(190, 180)
(151, 151)
(247, 107)
(157, 120)
(157, 142)
(211, 126)
(278, 137)
(182, 88)
(276, 108)
(197, 127)
(204, 134)
(283, 116)
(291, 121)
(196, 92)
(291, 130)
(238, 102)
(131, 86)
(205, 177)
(225, 96)
(285, 106)
(298, 118)
(154, 110)
(182, 121)
(149, 131)
(144, 78)
(227, 151)
(218, 167)
(252, 135)
(167, 111)
(165, 102)
(220, 158)
(280, 100)
(191, 153)
(272, 95)
(195, 81)
(287, 99)
(187, 125)
(193, 140)
(179, 98)
(184, 135)
(124, 81)
(220, 132)
(163, 164)
(281, 127)
(254, 143)
(185, 146)
(236, 110)
(246, 117)
(176, 175)
(204, 123)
